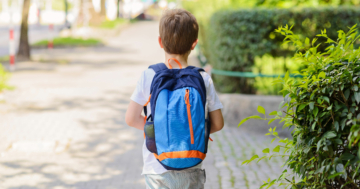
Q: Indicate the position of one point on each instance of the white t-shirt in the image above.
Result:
(141, 96)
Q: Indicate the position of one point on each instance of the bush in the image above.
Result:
(111, 24)
(323, 109)
(69, 41)
(236, 38)
(4, 76)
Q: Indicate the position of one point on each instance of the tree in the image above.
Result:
(24, 47)
(118, 9)
(88, 15)
(66, 12)
(103, 9)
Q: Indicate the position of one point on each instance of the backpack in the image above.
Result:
(177, 131)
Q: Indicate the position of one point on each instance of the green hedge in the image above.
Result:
(235, 38)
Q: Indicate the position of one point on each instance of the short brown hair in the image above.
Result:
(178, 31)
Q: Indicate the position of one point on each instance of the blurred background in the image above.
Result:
(68, 69)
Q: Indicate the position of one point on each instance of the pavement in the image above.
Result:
(63, 125)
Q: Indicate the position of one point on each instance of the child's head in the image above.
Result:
(178, 31)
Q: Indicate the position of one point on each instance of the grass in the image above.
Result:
(69, 41)
(111, 24)
(4, 58)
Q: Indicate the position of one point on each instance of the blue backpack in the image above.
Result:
(177, 132)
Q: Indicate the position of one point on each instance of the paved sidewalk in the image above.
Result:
(63, 126)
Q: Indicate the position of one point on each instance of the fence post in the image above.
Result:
(11, 41)
(50, 39)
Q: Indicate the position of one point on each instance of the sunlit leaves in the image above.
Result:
(323, 110)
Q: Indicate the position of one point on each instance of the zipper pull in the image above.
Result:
(186, 97)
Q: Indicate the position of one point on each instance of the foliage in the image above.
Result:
(272, 65)
(111, 24)
(68, 41)
(4, 76)
(323, 111)
(59, 5)
(308, 3)
(204, 9)
(236, 38)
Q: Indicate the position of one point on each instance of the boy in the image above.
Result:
(178, 36)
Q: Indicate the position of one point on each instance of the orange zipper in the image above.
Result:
(187, 102)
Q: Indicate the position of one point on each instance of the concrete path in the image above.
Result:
(63, 126)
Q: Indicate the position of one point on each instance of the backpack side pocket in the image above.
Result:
(150, 136)
(207, 133)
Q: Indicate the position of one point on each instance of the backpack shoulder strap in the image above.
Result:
(199, 69)
(195, 68)
(158, 67)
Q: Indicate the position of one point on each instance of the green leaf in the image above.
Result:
(273, 113)
(276, 149)
(338, 141)
(316, 111)
(243, 121)
(273, 140)
(336, 125)
(261, 110)
(347, 156)
(322, 75)
(307, 41)
(329, 135)
(250, 160)
(357, 97)
(311, 105)
(335, 175)
(326, 99)
(339, 167)
(261, 159)
(347, 93)
(271, 120)
(286, 76)
(313, 126)
(266, 150)
(302, 106)
(251, 117)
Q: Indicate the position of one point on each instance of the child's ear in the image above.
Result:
(160, 43)
(194, 44)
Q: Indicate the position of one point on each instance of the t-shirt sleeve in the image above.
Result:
(139, 94)
(211, 96)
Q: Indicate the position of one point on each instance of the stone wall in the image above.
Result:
(238, 106)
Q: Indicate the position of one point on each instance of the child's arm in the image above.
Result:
(216, 121)
(133, 116)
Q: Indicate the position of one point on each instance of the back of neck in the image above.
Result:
(180, 58)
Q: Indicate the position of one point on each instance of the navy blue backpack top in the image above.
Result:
(177, 132)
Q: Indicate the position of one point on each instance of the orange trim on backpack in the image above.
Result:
(181, 154)
(174, 59)
(148, 101)
(187, 102)
(146, 116)
(211, 139)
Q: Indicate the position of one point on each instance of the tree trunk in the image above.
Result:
(118, 9)
(24, 48)
(66, 12)
(103, 9)
(88, 15)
